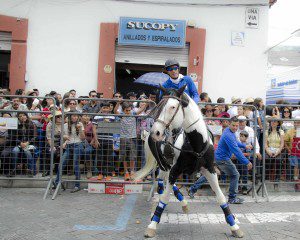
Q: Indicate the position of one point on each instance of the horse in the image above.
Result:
(193, 150)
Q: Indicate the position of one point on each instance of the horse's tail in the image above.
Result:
(150, 163)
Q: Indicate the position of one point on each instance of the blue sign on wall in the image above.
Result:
(151, 32)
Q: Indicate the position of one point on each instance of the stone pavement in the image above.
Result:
(24, 215)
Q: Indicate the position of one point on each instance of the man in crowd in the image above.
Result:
(93, 106)
(233, 110)
(250, 131)
(15, 105)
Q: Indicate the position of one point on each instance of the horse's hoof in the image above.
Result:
(150, 233)
(237, 233)
(185, 209)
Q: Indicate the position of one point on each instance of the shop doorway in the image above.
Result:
(126, 73)
(4, 69)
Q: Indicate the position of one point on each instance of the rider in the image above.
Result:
(177, 80)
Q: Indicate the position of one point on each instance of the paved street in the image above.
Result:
(24, 215)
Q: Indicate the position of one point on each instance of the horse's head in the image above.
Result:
(171, 114)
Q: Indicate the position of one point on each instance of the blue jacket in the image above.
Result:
(229, 145)
(190, 89)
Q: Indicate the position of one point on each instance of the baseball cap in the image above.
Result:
(242, 118)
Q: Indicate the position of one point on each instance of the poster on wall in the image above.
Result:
(152, 32)
(237, 39)
(8, 123)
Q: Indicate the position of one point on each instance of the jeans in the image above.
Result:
(197, 185)
(77, 150)
(28, 155)
(230, 170)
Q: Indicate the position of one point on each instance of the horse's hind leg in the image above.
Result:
(163, 201)
(230, 219)
(175, 172)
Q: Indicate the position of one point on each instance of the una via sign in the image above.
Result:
(252, 15)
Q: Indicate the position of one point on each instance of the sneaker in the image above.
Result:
(75, 189)
(107, 178)
(127, 176)
(89, 174)
(11, 173)
(100, 177)
(191, 193)
(236, 200)
(132, 175)
(244, 192)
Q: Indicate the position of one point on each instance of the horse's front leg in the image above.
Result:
(163, 201)
(174, 174)
(162, 176)
(230, 219)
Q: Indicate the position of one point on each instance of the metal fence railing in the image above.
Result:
(24, 149)
(103, 146)
(65, 144)
(281, 134)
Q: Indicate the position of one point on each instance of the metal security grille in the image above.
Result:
(151, 55)
(5, 41)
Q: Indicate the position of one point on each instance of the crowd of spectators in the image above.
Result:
(105, 152)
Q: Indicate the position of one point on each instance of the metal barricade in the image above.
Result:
(248, 179)
(25, 152)
(281, 155)
(94, 146)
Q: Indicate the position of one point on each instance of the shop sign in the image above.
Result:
(151, 32)
(114, 188)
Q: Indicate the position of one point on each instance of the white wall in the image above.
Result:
(63, 43)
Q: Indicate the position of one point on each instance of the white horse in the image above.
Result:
(197, 153)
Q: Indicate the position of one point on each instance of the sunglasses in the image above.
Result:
(208, 110)
(172, 68)
(93, 96)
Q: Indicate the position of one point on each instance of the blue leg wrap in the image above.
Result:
(228, 215)
(177, 193)
(158, 211)
(160, 186)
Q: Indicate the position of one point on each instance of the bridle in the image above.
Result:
(167, 125)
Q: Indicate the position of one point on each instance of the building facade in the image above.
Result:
(63, 45)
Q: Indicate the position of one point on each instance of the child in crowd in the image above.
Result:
(128, 140)
(104, 143)
(292, 144)
(243, 170)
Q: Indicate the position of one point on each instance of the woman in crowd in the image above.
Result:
(54, 144)
(24, 139)
(286, 113)
(240, 111)
(208, 113)
(73, 136)
(88, 143)
(274, 143)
